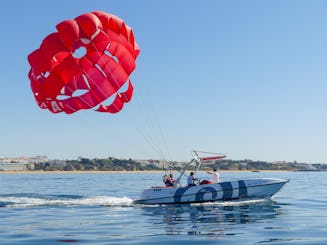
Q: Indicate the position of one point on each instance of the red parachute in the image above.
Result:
(88, 60)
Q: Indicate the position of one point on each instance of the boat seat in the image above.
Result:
(205, 182)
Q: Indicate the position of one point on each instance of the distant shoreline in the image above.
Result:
(123, 172)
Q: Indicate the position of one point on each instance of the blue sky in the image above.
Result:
(244, 78)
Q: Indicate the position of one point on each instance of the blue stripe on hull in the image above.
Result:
(179, 193)
(227, 189)
(199, 197)
(243, 191)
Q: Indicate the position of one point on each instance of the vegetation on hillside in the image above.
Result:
(113, 164)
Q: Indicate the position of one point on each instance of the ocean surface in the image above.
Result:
(98, 208)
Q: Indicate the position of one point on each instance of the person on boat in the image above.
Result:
(169, 180)
(190, 179)
(214, 176)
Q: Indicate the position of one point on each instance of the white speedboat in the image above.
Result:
(206, 191)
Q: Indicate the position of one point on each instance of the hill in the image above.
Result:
(113, 164)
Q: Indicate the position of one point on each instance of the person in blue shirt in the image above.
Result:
(190, 179)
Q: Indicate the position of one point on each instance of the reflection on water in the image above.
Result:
(211, 220)
(98, 209)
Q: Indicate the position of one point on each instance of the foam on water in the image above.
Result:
(28, 200)
(90, 209)
(34, 200)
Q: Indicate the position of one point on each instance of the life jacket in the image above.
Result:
(167, 180)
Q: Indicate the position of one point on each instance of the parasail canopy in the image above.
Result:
(88, 60)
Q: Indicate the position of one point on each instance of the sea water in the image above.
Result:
(98, 208)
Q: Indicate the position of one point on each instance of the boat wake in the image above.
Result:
(34, 200)
(22, 200)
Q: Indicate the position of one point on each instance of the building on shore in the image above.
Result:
(20, 163)
(15, 166)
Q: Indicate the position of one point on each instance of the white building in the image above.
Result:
(20, 163)
(13, 166)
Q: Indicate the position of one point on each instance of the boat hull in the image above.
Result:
(229, 190)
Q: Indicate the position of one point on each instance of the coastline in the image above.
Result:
(123, 172)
